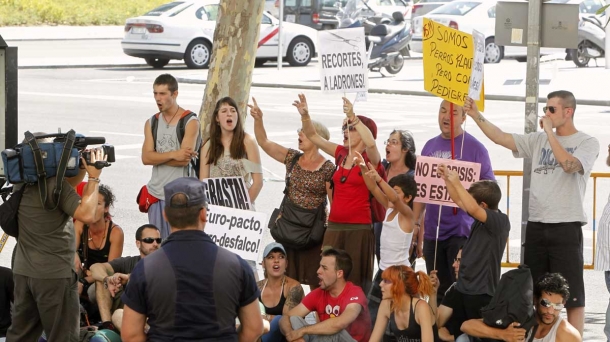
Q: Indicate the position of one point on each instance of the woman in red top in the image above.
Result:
(350, 220)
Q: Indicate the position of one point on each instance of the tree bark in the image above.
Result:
(233, 55)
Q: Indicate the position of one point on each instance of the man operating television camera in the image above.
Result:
(45, 282)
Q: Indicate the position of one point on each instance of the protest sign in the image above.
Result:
(239, 231)
(476, 77)
(228, 192)
(448, 60)
(431, 187)
(343, 61)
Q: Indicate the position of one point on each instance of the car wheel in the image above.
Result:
(157, 63)
(198, 54)
(299, 52)
(259, 62)
(578, 56)
(493, 52)
(521, 59)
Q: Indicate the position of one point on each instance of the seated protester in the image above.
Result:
(550, 294)
(339, 304)
(99, 242)
(111, 277)
(410, 317)
(279, 293)
(7, 288)
(397, 231)
(479, 271)
(447, 314)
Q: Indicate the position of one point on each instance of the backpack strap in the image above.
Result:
(181, 131)
(40, 172)
(533, 333)
(154, 122)
(63, 164)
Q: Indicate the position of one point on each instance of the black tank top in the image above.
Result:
(94, 256)
(276, 310)
(413, 332)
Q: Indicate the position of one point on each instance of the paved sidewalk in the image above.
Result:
(20, 33)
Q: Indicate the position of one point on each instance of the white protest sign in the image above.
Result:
(431, 187)
(343, 61)
(476, 76)
(239, 231)
(228, 192)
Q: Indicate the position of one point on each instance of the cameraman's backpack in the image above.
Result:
(513, 301)
(180, 131)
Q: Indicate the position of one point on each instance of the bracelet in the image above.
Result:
(355, 122)
(417, 224)
(93, 179)
(379, 181)
(308, 119)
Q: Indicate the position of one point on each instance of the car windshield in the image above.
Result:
(591, 6)
(163, 9)
(456, 8)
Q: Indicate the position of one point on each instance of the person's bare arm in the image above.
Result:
(419, 210)
(255, 157)
(329, 326)
(459, 195)
(251, 322)
(443, 315)
(132, 329)
(294, 298)
(371, 179)
(476, 328)
(381, 322)
(116, 243)
(273, 149)
(204, 167)
(298, 311)
(433, 297)
(567, 333)
(189, 142)
(494, 133)
(76, 180)
(424, 317)
(365, 133)
(329, 193)
(179, 157)
(86, 211)
(100, 271)
(445, 335)
(310, 131)
(568, 162)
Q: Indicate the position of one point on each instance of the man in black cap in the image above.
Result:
(190, 289)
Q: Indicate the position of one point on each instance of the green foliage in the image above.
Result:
(72, 12)
(601, 11)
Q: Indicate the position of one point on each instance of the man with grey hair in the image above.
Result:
(561, 155)
(190, 289)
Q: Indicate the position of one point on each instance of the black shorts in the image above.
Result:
(557, 248)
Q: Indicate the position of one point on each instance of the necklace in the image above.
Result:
(344, 177)
(170, 120)
(93, 241)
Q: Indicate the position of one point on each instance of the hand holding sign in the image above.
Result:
(255, 111)
(448, 175)
(348, 109)
(301, 105)
(470, 107)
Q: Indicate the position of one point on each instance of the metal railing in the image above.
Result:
(509, 174)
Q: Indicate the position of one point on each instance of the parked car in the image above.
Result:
(425, 6)
(185, 30)
(271, 7)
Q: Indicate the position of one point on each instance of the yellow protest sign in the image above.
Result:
(448, 56)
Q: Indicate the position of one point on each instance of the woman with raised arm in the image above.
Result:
(309, 187)
(230, 151)
(350, 220)
(410, 317)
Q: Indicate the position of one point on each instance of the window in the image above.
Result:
(491, 12)
(305, 3)
(266, 20)
(590, 6)
(163, 8)
(212, 12)
(456, 8)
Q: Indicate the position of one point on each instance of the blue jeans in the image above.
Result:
(607, 327)
(274, 334)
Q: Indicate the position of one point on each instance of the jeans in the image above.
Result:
(607, 327)
(274, 334)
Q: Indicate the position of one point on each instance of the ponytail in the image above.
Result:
(424, 287)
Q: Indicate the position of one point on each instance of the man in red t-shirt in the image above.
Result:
(340, 305)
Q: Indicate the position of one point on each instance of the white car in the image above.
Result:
(185, 30)
(466, 15)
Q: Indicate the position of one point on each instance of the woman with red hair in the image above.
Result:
(410, 320)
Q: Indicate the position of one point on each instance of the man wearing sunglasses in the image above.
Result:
(550, 294)
(562, 161)
(111, 277)
(190, 289)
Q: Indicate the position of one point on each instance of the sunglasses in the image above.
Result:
(351, 128)
(151, 240)
(458, 260)
(551, 109)
(547, 304)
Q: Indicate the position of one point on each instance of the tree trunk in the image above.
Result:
(233, 55)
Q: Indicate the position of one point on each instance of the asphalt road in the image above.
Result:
(115, 103)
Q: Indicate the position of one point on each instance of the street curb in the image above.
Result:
(79, 66)
(56, 39)
(491, 97)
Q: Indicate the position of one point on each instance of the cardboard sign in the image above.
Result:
(239, 231)
(228, 192)
(343, 61)
(448, 61)
(476, 77)
(431, 187)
